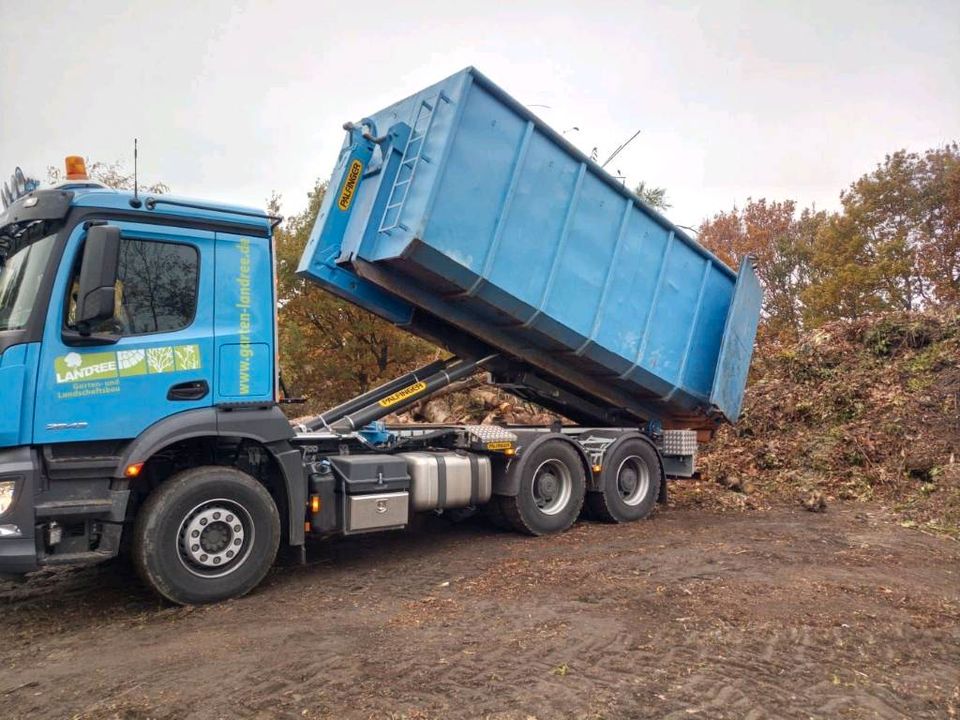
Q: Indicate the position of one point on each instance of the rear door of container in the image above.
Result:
(739, 333)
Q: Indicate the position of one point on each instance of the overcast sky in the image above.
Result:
(235, 100)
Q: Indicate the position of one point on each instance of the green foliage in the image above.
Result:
(331, 350)
(894, 332)
(655, 197)
(858, 409)
(847, 277)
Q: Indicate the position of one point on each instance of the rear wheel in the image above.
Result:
(552, 484)
(206, 534)
(629, 483)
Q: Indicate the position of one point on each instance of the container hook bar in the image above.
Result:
(408, 395)
(376, 394)
(368, 130)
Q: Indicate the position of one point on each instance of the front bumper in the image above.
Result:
(18, 547)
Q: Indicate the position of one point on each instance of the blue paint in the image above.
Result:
(244, 317)
(739, 333)
(505, 219)
(229, 342)
(17, 388)
(334, 236)
(467, 196)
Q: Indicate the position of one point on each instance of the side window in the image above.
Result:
(156, 288)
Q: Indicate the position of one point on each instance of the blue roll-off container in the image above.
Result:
(474, 224)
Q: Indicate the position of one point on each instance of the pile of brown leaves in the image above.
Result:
(862, 410)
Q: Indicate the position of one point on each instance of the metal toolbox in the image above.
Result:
(378, 511)
(362, 474)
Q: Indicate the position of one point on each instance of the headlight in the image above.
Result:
(7, 490)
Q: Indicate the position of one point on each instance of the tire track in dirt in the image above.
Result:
(763, 615)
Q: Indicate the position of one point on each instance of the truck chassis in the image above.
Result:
(202, 515)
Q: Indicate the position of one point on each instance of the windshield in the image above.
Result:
(20, 278)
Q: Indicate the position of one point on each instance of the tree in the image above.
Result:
(883, 208)
(330, 349)
(895, 244)
(938, 252)
(110, 174)
(907, 211)
(781, 243)
(655, 197)
(847, 279)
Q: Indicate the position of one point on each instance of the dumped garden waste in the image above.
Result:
(856, 410)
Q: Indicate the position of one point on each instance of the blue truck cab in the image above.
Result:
(180, 352)
(139, 404)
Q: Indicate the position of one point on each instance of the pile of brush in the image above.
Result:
(862, 410)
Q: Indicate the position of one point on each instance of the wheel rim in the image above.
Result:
(552, 486)
(215, 538)
(633, 480)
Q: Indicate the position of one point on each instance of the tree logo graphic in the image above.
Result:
(132, 362)
(73, 360)
(160, 360)
(188, 357)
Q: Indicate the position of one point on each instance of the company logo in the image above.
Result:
(89, 367)
(350, 185)
(401, 395)
(74, 367)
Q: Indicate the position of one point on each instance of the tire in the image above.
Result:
(630, 483)
(235, 522)
(552, 486)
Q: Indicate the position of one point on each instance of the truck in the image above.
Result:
(141, 408)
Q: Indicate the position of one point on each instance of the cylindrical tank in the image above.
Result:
(446, 480)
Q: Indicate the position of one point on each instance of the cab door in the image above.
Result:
(162, 362)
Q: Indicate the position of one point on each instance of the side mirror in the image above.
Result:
(96, 294)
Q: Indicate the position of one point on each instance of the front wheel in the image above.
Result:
(206, 534)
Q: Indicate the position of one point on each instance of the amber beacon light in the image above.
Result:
(76, 168)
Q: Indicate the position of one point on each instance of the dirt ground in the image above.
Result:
(763, 614)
